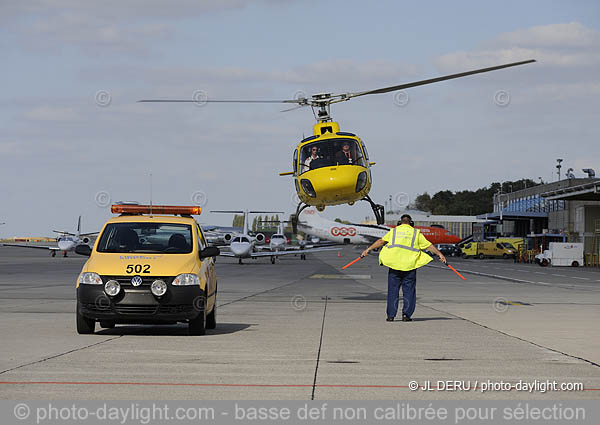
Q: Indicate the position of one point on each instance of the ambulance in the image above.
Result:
(149, 265)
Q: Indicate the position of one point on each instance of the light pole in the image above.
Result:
(558, 166)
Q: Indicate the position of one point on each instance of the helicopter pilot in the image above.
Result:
(345, 156)
(314, 154)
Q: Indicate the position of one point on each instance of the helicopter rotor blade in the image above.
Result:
(432, 80)
(202, 101)
(294, 108)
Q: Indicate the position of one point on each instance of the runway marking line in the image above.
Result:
(582, 278)
(192, 384)
(341, 276)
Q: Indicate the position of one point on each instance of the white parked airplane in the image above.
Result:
(311, 223)
(244, 245)
(279, 243)
(66, 241)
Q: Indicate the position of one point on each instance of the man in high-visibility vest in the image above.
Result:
(403, 254)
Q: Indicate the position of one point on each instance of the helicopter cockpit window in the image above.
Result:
(295, 162)
(330, 152)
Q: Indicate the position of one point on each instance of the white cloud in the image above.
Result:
(556, 45)
(569, 35)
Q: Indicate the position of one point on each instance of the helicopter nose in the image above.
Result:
(339, 185)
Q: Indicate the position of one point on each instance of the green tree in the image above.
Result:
(467, 202)
(422, 202)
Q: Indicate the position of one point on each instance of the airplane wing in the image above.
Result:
(294, 252)
(51, 248)
(226, 254)
(64, 233)
(88, 234)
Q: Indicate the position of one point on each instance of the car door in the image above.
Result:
(207, 270)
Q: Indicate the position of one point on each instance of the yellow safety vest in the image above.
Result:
(401, 253)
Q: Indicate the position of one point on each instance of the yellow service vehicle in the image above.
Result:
(487, 249)
(511, 243)
(148, 265)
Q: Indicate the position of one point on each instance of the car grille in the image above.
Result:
(136, 309)
(125, 281)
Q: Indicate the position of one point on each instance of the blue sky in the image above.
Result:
(59, 149)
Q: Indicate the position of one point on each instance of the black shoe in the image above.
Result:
(389, 319)
(406, 318)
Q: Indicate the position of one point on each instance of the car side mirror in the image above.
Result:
(84, 250)
(211, 251)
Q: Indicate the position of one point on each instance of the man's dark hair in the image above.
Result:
(405, 219)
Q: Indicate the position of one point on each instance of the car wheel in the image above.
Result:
(197, 326)
(211, 319)
(575, 264)
(107, 325)
(505, 256)
(544, 263)
(84, 325)
(464, 255)
(480, 256)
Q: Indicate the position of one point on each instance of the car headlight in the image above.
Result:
(90, 279)
(158, 288)
(361, 181)
(308, 188)
(186, 279)
(112, 288)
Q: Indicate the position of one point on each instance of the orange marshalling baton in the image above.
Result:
(454, 270)
(350, 263)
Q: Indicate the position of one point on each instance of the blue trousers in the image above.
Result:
(408, 281)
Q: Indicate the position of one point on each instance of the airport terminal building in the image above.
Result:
(569, 207)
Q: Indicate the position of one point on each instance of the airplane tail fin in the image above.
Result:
(310, 216)
(78, 225)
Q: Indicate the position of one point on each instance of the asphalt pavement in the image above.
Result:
(305, 329)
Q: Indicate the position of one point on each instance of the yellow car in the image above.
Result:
(148, 266)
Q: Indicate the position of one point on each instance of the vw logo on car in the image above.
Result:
(136, 280)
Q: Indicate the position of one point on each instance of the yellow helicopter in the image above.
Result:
(332, 167)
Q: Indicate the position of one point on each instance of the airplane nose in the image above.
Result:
(65, 246)
(239, 248)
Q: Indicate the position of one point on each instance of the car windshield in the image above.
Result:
(508, 245)
(163, 238)
(330, 152)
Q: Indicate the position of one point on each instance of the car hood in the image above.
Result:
(114, 264)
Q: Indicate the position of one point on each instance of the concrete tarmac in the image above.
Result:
(305, 329)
